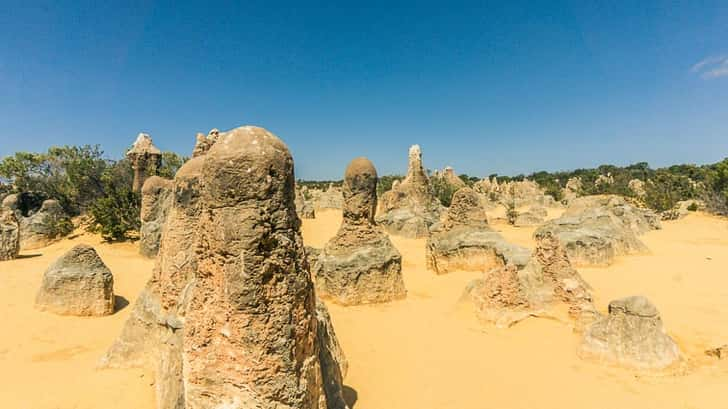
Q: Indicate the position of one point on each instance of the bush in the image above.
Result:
(693, 207)
(69, 174)
(117, 213)
(443, 190)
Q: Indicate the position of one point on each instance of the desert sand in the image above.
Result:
(427, 351)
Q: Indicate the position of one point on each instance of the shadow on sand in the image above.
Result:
(120, 303)
(350, 396)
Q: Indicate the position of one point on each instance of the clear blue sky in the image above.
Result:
(502, 87)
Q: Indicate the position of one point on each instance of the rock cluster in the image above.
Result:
(41, 221)
(464, 241)
(359, 265)
(596, 229)
(448, 176)
(514, 193)
(229, 318)
(145, 160)
(331, 198)
(304, 208)
(410, 207)
(78, 283)
(156, 201)
(517, 287)
(631, 335)
(9, 235)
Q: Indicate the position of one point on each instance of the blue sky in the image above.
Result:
(501, 87)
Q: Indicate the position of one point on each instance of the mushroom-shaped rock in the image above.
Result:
(359, 265)
(632, 335)
(156, 201)
(9, 235)
(78, 283)
(145, 160)
(250, 332)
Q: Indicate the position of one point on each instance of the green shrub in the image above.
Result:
(693, 207)
(116, 214)
(443, 190)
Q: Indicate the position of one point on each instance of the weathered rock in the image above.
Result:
(572, 190)
(253, 295)
(152, 336)
(333, 362)
(607, 179)
(597, 229)
(41, 221)
(78, 283)
(9, 235)
(463, 241)
(449, 177)
(637, 187)
(682, 209)
(631, 335)
(304, 208)
(231, 283)
(145, 158)
(518, 286)
(204, 143)
(535, 216)
(156, 201)
(331, 198)
(359, 265)
(410, 208)
(514, 193)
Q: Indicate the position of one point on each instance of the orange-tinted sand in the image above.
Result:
(423, 352)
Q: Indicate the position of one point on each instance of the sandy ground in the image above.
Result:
(426, 351)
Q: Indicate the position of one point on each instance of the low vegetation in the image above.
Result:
(83, 182)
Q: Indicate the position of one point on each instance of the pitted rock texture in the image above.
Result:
(156, 201)
(152, 336)
(9, 235)
(41, 221)
(517, 287)
(145, 158)
(253, 295)
(78, 283)
(359, 265)
(410, 208)
(229, 318)
(597, 229)
(632, 335)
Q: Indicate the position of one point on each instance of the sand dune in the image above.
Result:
(422, 352)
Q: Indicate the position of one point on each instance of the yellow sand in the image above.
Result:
(422, 352)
